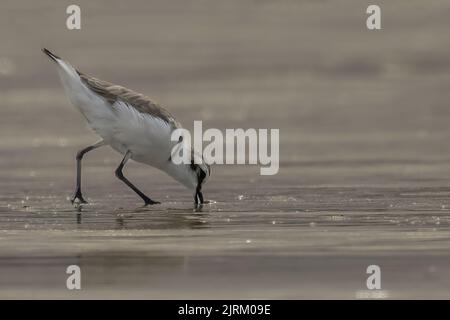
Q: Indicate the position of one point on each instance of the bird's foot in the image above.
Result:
(198, 207)
(149, 202)
(78, 198)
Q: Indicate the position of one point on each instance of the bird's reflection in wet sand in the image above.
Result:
(145, 218)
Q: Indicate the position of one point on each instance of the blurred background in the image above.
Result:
(364, 157)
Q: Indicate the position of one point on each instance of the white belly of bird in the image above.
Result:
(146, 137)
(126, 129)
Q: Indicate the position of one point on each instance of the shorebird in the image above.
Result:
(130, 123)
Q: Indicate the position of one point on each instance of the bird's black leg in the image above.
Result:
(198, 198)
(77, 195)
(119, 174)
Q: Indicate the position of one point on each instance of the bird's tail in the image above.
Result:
(64, 68)
(52, 56)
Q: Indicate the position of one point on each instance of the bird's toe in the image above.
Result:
(151, 202)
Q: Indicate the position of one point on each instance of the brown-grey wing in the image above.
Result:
(102, 88)
(143, 104)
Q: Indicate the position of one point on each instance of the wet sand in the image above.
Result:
(364, 156)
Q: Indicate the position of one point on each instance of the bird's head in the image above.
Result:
(194, 174)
